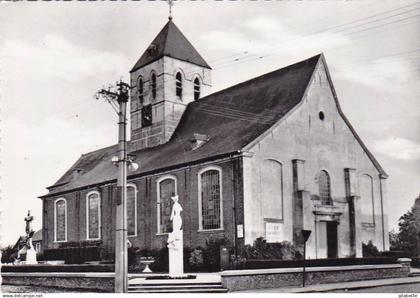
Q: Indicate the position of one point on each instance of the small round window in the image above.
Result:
(321, 115)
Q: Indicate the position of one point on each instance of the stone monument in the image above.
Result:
(175, 241)
(28, 248)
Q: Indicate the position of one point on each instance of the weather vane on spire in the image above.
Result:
(170, 3)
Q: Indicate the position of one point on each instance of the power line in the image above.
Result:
(223, 65)
(263, 56)
(228, 64)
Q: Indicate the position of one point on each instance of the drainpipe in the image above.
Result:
(234, 208)
(382, 211)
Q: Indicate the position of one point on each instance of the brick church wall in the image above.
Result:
(187, 188)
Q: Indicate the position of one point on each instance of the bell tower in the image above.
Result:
(169, 75)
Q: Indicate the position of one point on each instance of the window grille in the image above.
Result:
(166, 191)
(60, 220)
(324, 188)
(93, 216)
(210, 200)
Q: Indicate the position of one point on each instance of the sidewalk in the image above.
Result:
(340, 286)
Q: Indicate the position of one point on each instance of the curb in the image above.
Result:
(350, 287)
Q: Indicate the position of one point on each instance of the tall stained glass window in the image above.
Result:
(93, 216)
(131, 210)
(167, 189)
(210, 200)
(324, 188)
(60, 220)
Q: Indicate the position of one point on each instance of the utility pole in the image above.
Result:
(118, 101)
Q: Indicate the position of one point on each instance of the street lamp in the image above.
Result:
(305, 234)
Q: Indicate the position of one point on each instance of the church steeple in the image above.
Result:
(169, 74)
(170, 42)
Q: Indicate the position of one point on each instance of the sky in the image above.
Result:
(55, 56)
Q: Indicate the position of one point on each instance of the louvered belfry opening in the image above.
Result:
(178, 84)
(196, 89)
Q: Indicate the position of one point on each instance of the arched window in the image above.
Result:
(272, 189)
(93, 215)
(210, 199)
(153, 85)
(166, 188)
(324, 188)
(141, 90)
(131, 210)
(367, 198)
(60, 220)
(197, 89)
(178, 84)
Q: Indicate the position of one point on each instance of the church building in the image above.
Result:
(264, 158)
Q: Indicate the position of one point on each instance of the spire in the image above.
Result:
(170, 42)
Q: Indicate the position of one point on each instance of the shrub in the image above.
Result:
(133, 259)
(211, 253)
(8, 254)
(370, 250)
(237, 262)
(83, 243)
(196, 258)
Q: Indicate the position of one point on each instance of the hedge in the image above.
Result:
(415, 262)
(72, 255)
(264, 264)
(58, 268)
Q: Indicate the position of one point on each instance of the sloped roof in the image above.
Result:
(37, 236)
(231, 118)
(172, 43)
(21, 241)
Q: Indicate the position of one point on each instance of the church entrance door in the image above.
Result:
(331, 239)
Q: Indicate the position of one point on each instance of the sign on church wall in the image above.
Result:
(273, 232)
(240, 231)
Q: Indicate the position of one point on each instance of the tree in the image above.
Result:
(408, 237)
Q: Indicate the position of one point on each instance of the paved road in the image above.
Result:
(407, 288)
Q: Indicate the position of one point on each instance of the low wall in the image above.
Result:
(95, 282)
(237, 280)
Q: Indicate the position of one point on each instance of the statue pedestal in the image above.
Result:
(31, 256)
(176, 257)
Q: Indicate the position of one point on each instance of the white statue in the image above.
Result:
(175, 241)
(28, 248)
(176, 219)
